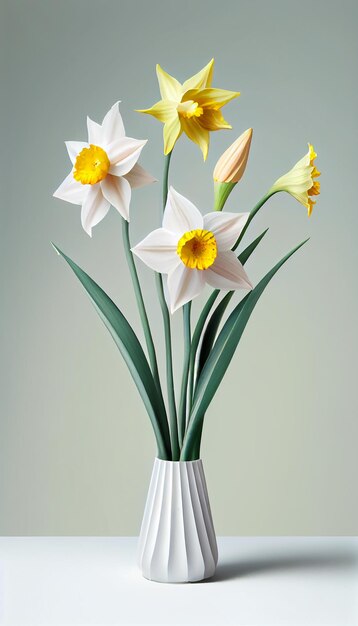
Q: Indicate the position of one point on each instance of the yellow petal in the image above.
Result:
(213, 120)
(191, 94)
(171, 132)
(297, 180)
(196, 133)
(312, 153)
(215, 98)
(202, 79)
(162, 110)
(315, 190)
(308, 159)
(310, 207)
(170, 88)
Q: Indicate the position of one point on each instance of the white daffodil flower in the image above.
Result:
(194, 250)
(104, 170)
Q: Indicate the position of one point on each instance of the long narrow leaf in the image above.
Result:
(211, 331)
(218, 313)
(220, 358)
(245, 254)
(132, 352)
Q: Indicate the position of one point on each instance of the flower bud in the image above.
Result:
(230, 168)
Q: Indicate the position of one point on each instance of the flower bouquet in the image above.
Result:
(187, 252)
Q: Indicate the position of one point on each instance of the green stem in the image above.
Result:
(184, 384)
(173, 423)
(140, 303)
(253, 212)
(166, 178)
(196, 339)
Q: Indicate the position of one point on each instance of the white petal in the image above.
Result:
(226, 227)
(138, 177)
(74, 148)
(180, 215)
(71, 190)
(124, 154)
(227, 273)
(94, 132)
(112, 125)
(118, 193)
(184, 284)
(94, 208)
(159, 250)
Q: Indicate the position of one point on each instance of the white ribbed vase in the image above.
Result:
(177, 542)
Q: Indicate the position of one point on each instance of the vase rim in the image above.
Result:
(182, 462)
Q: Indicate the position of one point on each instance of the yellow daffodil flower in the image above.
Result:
(300, 180)
(192, 107)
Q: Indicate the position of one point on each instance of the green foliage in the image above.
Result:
(132, 353)
(220, 358)
(217, 315)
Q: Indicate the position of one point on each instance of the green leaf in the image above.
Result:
(220, 358)
(245, 254)
(217, 315)
(211, 331)
(132, 352)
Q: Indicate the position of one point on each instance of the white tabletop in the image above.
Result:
(259, 581)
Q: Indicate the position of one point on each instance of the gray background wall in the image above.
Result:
(280, 443)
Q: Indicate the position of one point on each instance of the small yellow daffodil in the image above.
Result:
(192, 107)
(300, 180)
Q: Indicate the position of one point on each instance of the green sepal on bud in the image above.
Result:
(221, 194)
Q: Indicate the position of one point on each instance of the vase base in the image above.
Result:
(177, 542)
(180, 582)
